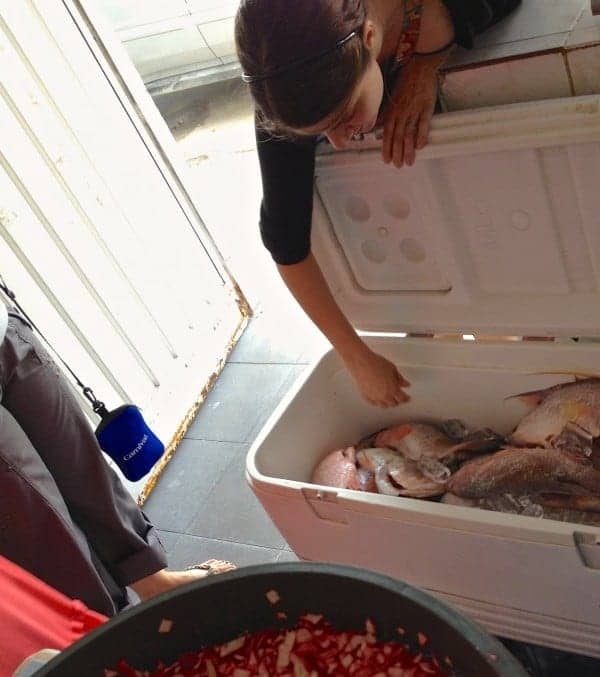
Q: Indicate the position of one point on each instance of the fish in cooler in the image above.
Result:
(524, 470)
(435, 451)
(340, 469)
(565, 416)
(396, 475)
(383, 471)
(548, 467)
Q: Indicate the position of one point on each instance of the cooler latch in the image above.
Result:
(588, 546)
(325, 505)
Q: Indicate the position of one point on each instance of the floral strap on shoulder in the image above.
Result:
(411, 27)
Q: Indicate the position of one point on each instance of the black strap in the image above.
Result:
(88, 393)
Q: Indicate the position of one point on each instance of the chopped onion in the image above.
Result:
(273, 596)
(165, 626)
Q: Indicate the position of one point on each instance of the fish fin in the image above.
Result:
(366, 442)
(474, 447)
(531, 398)
(577, 375)
(480, 441)
(349, 453)
(387, 437)
(534, 397)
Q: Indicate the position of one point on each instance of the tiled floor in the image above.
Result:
(202, 505)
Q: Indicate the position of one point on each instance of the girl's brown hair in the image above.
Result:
(274, 34)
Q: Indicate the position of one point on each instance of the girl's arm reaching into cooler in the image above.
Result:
(376, 377)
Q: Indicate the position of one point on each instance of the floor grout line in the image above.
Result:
(228, 542)
(208, 439)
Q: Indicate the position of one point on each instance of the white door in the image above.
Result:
(99, 236)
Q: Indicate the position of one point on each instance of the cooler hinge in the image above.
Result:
(588, 546)
(325, 505)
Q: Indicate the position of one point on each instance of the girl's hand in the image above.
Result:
(378, 380)
(408, 114)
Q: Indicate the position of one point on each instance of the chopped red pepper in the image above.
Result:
(312, 649)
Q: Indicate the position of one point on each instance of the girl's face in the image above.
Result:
(358, 115)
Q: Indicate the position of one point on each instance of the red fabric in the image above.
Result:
(34, 616)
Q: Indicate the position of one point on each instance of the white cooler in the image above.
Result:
(495, 231)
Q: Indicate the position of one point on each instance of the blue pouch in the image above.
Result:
(125, 436)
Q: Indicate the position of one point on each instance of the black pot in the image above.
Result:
(220, 608)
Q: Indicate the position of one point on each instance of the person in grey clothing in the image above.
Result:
(64, 514)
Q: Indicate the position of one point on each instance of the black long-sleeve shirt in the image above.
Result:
(287, 166)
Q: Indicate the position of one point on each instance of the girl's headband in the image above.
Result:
(299, 62)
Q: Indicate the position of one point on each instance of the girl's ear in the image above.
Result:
(370, 35)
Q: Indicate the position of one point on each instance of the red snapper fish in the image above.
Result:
(396, 475)
(437, 449)
(340, 469)
(416, 440)
(524, 470)
(565, 416)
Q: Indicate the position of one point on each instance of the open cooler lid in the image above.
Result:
(496, 229)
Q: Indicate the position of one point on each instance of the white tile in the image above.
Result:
(533, 19)
(219, 37)
(585, 69)
(125, 14)
(531, 79)
(536, 26)
(204, 10)
(587, 29)
(161, 54)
